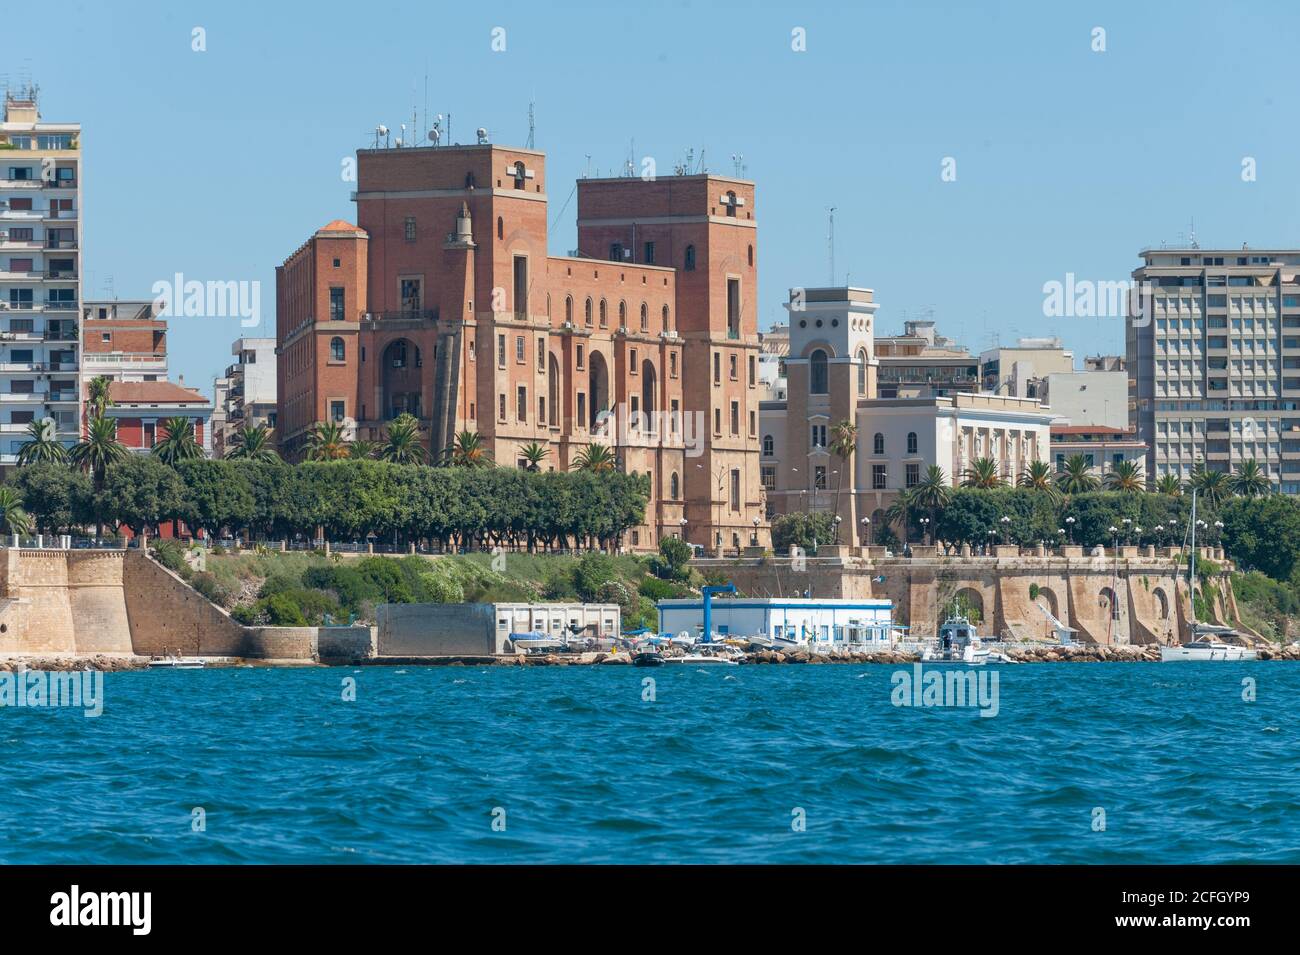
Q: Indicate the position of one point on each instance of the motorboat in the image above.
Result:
(648, 658)
(176, 663)
(1205, 649)
(958, 642)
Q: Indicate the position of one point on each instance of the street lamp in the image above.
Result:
(925, 529)
(1069, 522)
(866, 529)
(754, 540)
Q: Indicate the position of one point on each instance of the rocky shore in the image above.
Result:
(106, 663)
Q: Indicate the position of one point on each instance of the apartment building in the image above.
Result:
(1213, 357)
(832, 377)
(1102, 446)
(245, 396)
(123, 340)
(1020, 370)
(443, 301)
(40, 274)
(922, 363)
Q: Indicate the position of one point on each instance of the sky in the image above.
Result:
(218, 163)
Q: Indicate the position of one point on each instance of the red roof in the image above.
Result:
(340, 225)
(153, 392)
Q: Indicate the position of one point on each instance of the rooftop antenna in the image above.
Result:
(738, 160)
(830, 239)
(532, 126)
(629, 165)
(587, 174)
(435, 132)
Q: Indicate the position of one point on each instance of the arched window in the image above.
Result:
(911, 442)
(568, 309)
(501, 228)
(645, 318)
(769, 446)
(604, 313)
(751, 256)
(862, 371)
(622, 314)
(586, 314)
(665, 315)
(673, 487)
(690, 258)
(817, 378)
(878, 444)
(337, 351)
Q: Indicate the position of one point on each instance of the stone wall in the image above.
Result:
(166, 615)
(422, 630)
(1139, 599)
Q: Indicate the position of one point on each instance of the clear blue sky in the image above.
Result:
(218, 164)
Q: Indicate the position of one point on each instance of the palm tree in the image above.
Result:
(1076, 476)
(361, 449)
(844, 441)
(1037, 476)
(178, 444)
(983, 473)
(932, 493)
(98, 396)
(595, 457)
(42, 447)
(1250, 480)
(1169, 485)
(533, 454)
(12, 516)
(326, 443)
(1125, 476)
(898, 510)
(1212, 486)
(95, 452)
(254, 444)
(467, 450)
(403, 445)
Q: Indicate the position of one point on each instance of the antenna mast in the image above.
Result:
(532, 127)
(830, 240)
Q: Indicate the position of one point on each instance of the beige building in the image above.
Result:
(1020, 370)
(832, 369)
(1213, 357)
(920, 363)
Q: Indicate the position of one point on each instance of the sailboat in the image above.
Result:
(1207, 639)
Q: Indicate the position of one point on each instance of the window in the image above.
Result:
(501, 351)
(769, 476)
(819, 477)
(913, 475)
(409, 229)
(337, 410)
(674, 485)
(735, 417)
(818, 436)
(817, 373)
(717, 368)
(521, 403)
(631, 361)
(521, 286)
(878, 443)
(582, 410)
(501, 406)
(337, 351)
(604, 314)
(753, 423)
(717, 419)
(616, 251)
(645, 318)
(911, 442)
(336, 263)
(733, 308)
(501, 228)
(541, 354)
(879, 475)
(664, 313)
(732, 367)
(586, 314)
(672, 364)
(690, 258)
(769, 446)
(753, 371)
(862, 372)
(519, 349)
(735, 489)
(568, 309)
(649, 253)
(336, 304)
(410, 293)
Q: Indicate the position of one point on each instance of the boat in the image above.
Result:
(176, 663)
(958, 643)
(703, 659)
(1208, 640)
(648, 658)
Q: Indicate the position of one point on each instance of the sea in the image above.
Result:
(1076, 763)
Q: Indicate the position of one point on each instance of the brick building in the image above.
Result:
(141, 409)
(444, 302)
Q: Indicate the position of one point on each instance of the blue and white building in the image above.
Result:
(821, 623)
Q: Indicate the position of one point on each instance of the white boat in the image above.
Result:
(717, 655)
(1207, 639)
(177, 663)
(958, 643)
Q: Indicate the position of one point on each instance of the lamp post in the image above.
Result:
(925, 529)
(754, 539)
(1005, 521)
(866, 530)
(1069, 523)
(1114, 534)
(837, 528)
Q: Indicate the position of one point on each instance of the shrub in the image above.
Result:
(559, 585)
(282, 611)
(439, 588)
(673, 560)
(653, 588)
(208, 585)
(592, 573)
(171, 554)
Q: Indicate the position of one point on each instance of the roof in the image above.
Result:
(340, 225)
(153, 392)
(1090, 429)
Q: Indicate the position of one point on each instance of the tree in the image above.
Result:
(674, 559)
(533, 455)
(1263, 533)
(1169, 485)
(142, 492)
(844, 441)
(56, 497)
(1249, 480)
(403, 441)
(1037, 476)
(325, 442)
(13, 519)
(217, 495)
(595, 457)
(931, 494)
(254, 444)
(1125, 476)
(468, 450)
(95, 453)
(900, 512)
(1076, 476)
(178, 444)
(1211, 486)
(42, 445)
(362, 450)
(983, 473)
(98, 396)
(803, 530)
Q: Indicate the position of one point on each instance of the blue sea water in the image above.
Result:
(713, 770)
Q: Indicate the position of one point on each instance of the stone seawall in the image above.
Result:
(1135, 600)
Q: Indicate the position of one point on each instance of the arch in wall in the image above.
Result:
(1108, 600)
(649, 403)
(552, 390)
(818, 377)
(597, 386)
(970, 600)
(1047, 597)
(400, 379)
(1162, 602)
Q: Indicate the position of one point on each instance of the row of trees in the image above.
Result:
(345, 500)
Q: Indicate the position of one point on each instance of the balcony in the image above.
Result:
(60, 305)
(52, 243)
(60, 214)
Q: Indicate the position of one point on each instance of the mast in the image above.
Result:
(1191, 565)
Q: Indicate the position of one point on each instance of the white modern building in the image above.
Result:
(822, 623)
(1088, 398)
(557, 619)
(40, 274)
(245, 395)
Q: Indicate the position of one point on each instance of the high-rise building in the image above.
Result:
(40, 274)
(244, 397)
(1213, 358)
(443, 302)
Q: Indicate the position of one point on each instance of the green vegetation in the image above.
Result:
(804, 530)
